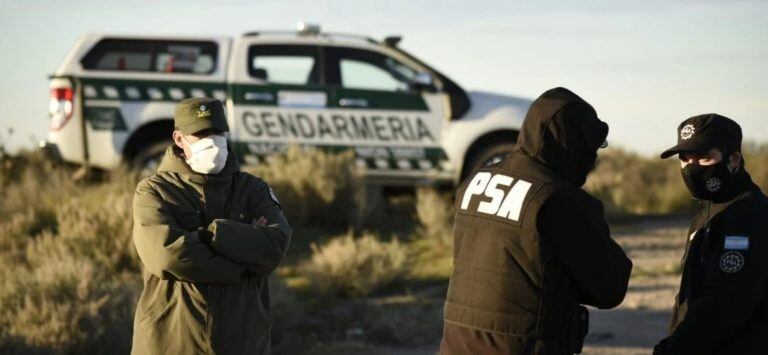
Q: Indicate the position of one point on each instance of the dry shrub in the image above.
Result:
(628, 183)
(756, 160)
(350, 266)
(632, 184)
(68, 270)
(312, 185)
(101, 233)
(435, 211)
(432, 247)
(64, 303)
(38, 185)
(21, 226)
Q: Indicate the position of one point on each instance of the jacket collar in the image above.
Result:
(174, 162)
(708, 210)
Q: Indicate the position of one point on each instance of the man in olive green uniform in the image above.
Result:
(208, 236)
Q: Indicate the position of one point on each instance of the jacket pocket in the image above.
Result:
(579, 328)
(256, 288)
(156, 305)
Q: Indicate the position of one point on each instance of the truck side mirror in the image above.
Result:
(423, 81)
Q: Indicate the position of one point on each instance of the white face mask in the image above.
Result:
(208, 155)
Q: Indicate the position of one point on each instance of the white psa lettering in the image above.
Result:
(514, 201)
(475, 187)
(494, 193)
(507, 205)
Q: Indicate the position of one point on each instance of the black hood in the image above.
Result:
(562, 131)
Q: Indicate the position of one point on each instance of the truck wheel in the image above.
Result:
(148, 159)
(490, 154)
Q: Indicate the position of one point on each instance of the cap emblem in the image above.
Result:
(687, 132)
(713, 184)
(203, 111)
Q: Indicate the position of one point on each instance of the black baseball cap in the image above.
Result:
(701, 133)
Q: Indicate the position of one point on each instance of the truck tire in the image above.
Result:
(489, 154)
(146, 161)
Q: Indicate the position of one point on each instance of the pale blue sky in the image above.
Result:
(645, 66)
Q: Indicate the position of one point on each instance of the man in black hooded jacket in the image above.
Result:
(530, 246)
(722, 304)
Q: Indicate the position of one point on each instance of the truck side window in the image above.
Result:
(291, 65)
(166, 56)
(367, 70)
(357, 74)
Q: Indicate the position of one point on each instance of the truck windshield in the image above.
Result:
(458, 98)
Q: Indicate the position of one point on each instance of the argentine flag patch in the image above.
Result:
(736, 242)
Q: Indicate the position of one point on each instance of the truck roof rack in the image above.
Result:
(392, 41)
(311, 30)
(268, 32)
(329, 35)
(349, 36)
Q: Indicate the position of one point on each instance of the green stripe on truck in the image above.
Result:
(244, 94)
(149, 90)
(370, 157)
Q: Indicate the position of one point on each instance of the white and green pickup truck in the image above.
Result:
(112, 102)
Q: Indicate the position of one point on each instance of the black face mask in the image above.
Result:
(584, 164)
(710, 182)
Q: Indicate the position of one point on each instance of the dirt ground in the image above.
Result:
(655, 246)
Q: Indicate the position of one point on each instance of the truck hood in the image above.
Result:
(485, 103)
(498, 99)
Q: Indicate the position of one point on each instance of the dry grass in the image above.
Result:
(69, 275)
(756, 160)
(631, 184)
(628, 183)
(434, 210)
(354, 266)
(432, 242)
(313, 187)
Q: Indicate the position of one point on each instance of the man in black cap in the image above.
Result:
(530, 246)
(722, 304)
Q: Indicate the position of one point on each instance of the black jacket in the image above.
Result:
(722, 305)
(530, 246)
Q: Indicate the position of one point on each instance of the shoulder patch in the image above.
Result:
(736, 242)
(731, 262)
(274, 197)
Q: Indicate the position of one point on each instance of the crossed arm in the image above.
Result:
(171, 252)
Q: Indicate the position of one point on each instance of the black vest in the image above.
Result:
(503, 280)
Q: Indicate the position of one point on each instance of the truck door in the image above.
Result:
(394, 126)
(282, 100)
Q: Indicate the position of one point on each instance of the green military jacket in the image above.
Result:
(206, 260)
